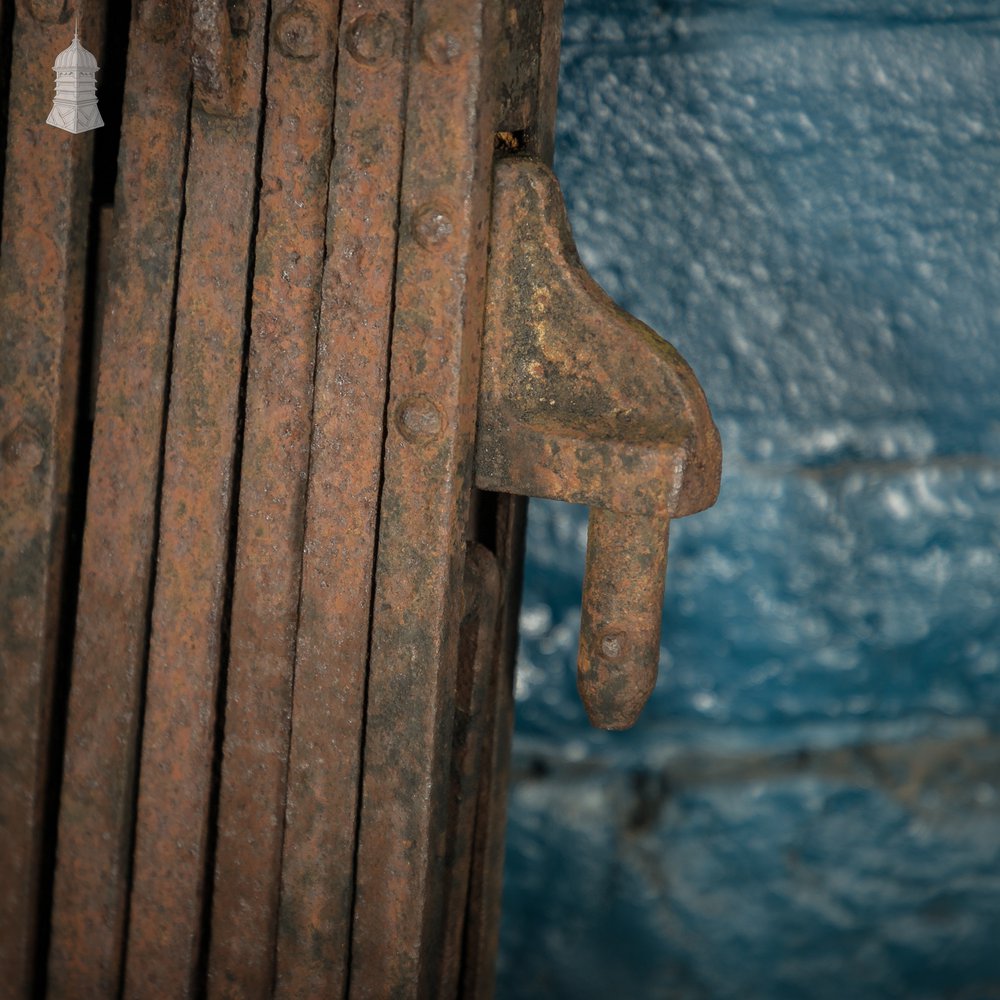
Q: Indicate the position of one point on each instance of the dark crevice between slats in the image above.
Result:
(205, 941)
(106, 140)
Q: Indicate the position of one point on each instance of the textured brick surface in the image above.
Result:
(804, 198)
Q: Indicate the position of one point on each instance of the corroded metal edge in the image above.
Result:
(42, 275)
(317, 881)
(289, 257)
(471, 740)
(165, 931)
(98, 792)
(440, 287)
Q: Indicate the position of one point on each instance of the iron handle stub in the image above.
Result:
(621, 614)
(579, 401)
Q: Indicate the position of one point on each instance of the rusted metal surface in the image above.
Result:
(518, 58)
(98, 793)
(533, 59)
(622, 611)
(482, 917)
(104, 228)
(582, 402)
(528, 72)
(342, 506)
(440, 285)
(6, 31)
(42, 275)
(298, 586)
(212, 54)
(189, 604)
(476, 667)
(285, 308)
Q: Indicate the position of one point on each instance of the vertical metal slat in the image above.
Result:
(173, 824)
(98, 792)
(440, 279)
(342, 510)
(287, 282)
(42, 276)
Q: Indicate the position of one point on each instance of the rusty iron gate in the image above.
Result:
(259, 575)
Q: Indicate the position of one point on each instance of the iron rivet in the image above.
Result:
(22, 448)
(440, 46)
(612, 645)
(431, 227)
(295, 34)
(371, 38)
(418, 418)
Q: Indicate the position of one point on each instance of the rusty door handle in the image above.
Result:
(580, 401)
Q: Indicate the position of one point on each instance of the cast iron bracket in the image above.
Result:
(580, 401)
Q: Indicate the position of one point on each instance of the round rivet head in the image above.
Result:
(431, 227)
(419, 419)
(440, 46)
(371, 38)
(295, 34)
(22, 448)
(612, 645)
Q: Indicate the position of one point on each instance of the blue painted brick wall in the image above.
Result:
(804, 197)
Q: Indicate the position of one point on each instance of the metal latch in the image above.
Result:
(580, 401)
